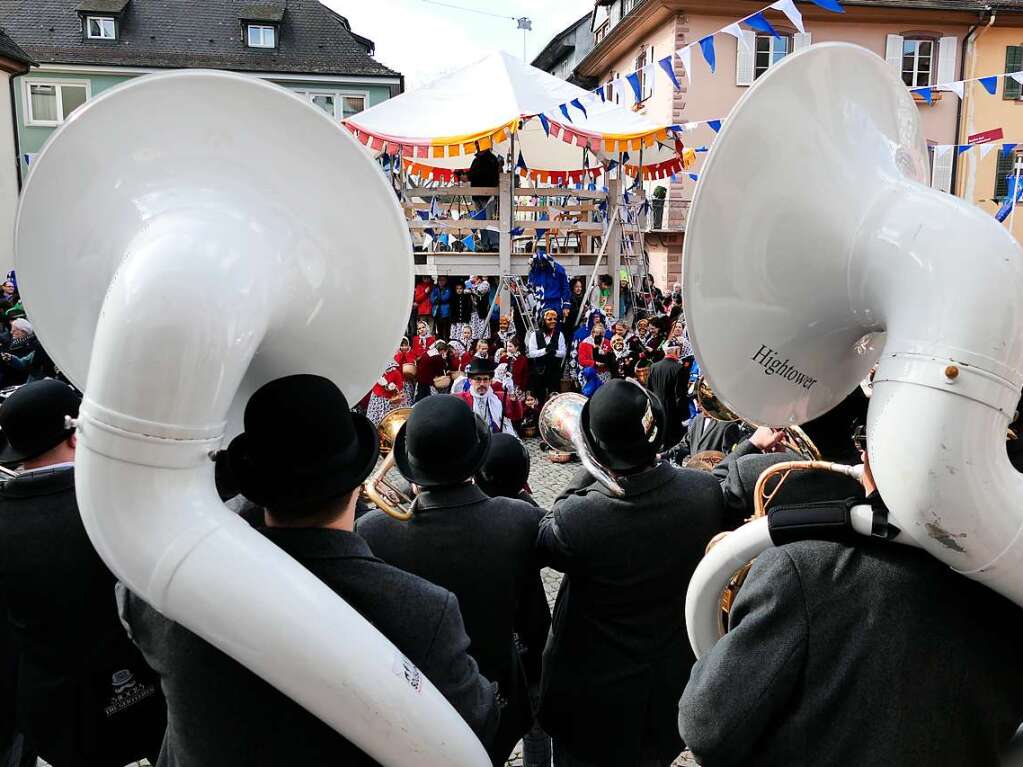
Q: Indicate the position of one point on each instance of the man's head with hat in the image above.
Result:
(442, 443)
(303, 454)
(480, 372)
(623, 426)
(35, 426)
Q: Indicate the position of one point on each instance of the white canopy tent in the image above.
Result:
(500, 100)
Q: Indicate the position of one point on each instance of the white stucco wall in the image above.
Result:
(8, 177)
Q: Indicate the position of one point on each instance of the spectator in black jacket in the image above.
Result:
(85, 695)
(216, 707)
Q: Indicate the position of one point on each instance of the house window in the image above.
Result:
(336, 104)
(628, 5)
(769, 50)
(352, 105)
(917, 62)
(49, 103)
(100, 28)
(1013, 63)
(1008, 163)
(261, 36)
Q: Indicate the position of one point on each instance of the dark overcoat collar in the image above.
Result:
(449, 497)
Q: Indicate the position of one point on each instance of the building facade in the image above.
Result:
(923, 40)
(13, 62)
(980, 176)
(85, 47)
(566, 49)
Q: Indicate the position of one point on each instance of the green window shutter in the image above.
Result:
(1003, 168)
(1013, 63)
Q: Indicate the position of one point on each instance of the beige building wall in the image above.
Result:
(975, 178)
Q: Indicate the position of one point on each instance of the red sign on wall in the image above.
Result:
(986, 137)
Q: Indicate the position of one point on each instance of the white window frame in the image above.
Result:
(113, 28)
(309, 93)
(772, 42)
(916, 61)
(263, 29)
(646, 84)
(30, 121)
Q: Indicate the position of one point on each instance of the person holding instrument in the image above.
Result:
(857, 652)
(617, 658)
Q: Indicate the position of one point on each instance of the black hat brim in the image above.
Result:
(456, 469)
(271, 486)
(11, 454)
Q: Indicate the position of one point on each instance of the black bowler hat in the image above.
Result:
(480, 366)
(441, 443)
(623, 425)
(505, 471)
(301, 444)
(32, 420)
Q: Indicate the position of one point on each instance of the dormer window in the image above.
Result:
(261, 23)
(100, 28)
(261, 35)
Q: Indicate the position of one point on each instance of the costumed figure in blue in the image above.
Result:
(549, 283)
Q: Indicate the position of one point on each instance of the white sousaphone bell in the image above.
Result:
(814, 250)
(182, 240)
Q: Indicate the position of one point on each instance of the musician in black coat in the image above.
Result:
(861, 653)
(85, 696)
(831, 433)
(618, 655)
(303, 457)
(480, 548)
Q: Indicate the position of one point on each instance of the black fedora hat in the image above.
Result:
(442, 443)
(33, 419)
(301, 443)
(505, 470)
(480, 366)
(623, 425)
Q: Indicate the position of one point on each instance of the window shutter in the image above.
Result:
(800, 40)
(648, 78)
(893, 53)
(947, 47)
(1003, 168)
(941, 174)
(1013, 63)
(744, 58)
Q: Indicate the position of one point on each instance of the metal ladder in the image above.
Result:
(636, 262)
(522, 299)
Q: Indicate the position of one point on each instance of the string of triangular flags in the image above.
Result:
(940, 150)
(637, 79)
(990, 83)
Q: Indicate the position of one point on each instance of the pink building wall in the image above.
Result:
(707, 96)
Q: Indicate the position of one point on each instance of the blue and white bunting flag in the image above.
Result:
(788, 7)
(707, 46)
(668, 65)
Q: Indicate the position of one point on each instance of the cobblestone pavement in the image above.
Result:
(547, 480)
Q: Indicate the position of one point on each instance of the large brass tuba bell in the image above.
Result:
(561, 428)
(376, 488)
(795, 440)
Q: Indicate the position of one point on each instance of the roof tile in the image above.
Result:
(192, 33)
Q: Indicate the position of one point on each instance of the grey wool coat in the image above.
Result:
(481, 549)
(618, 657)
(740, 470)
(847, 656)
(221, 714)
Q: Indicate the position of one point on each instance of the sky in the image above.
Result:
(425, 40)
